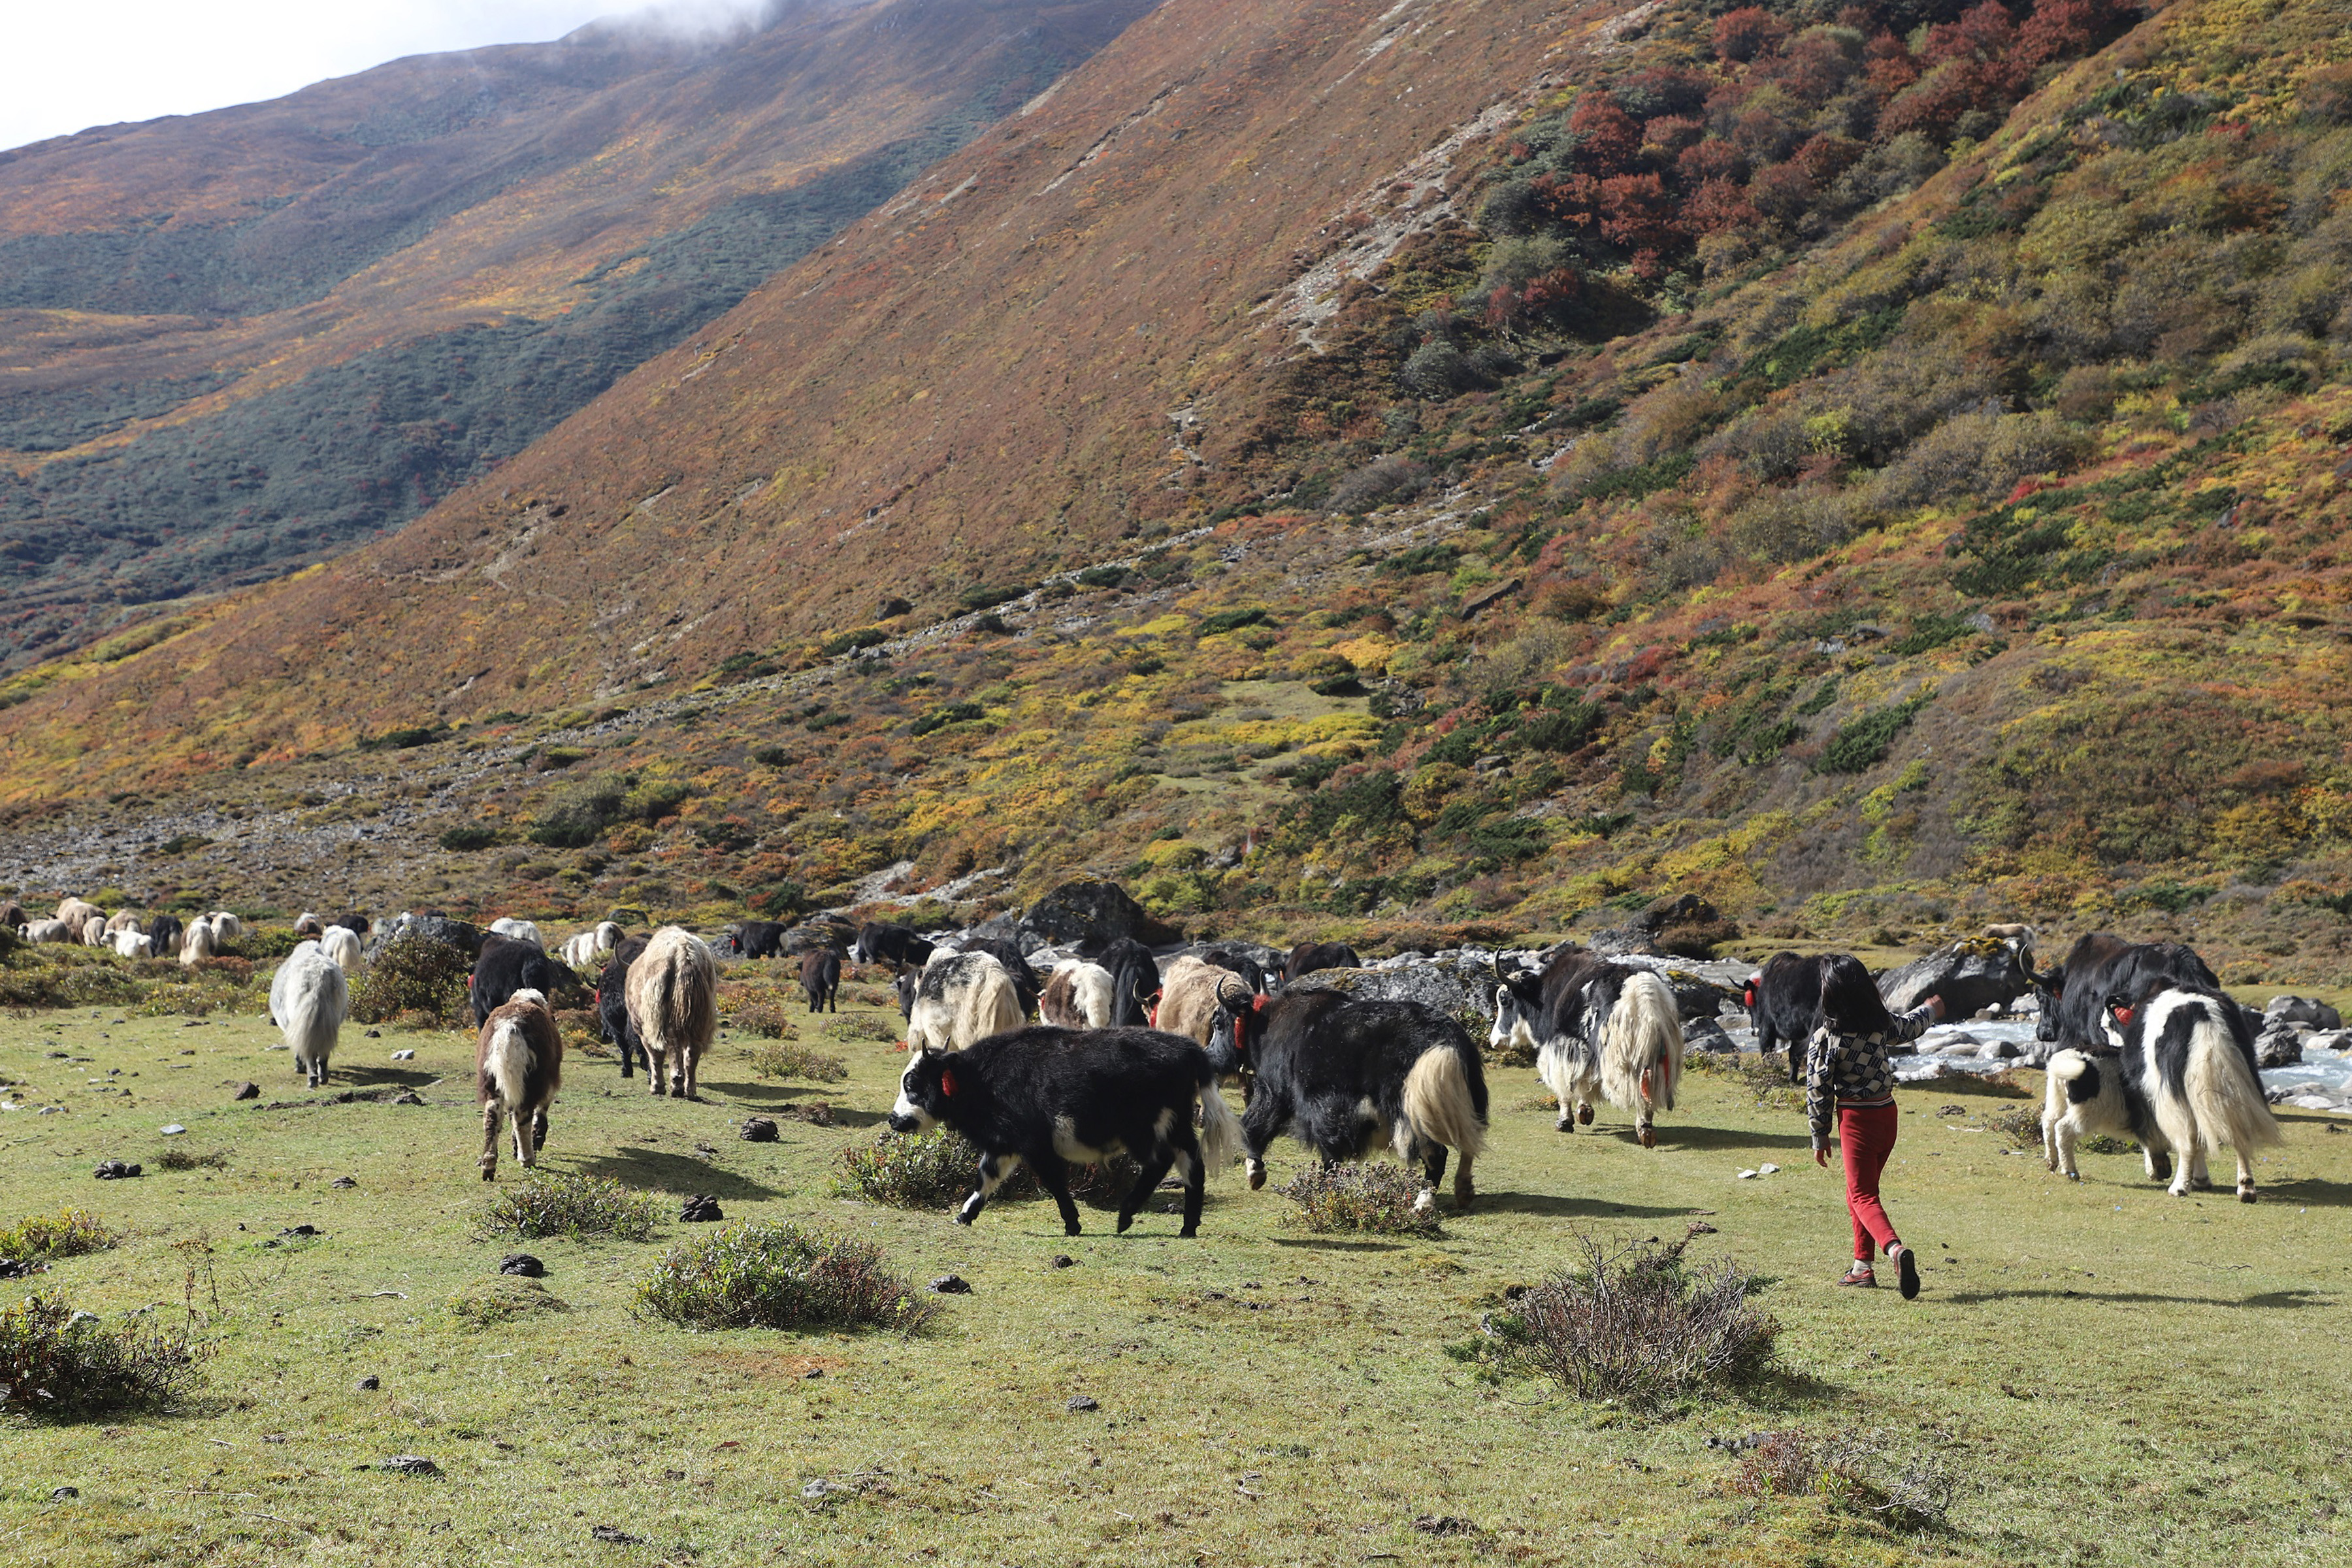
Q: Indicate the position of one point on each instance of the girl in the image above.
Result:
(1848, 1068)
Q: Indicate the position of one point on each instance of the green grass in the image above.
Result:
(2099, 1366)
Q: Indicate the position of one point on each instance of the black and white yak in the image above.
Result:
(507, 964)
(890, 944)
(1345, 1077)
(1236, 961)
(1135, 982)
(612, 1004)
(1025, 982)
(820, 979)
(2073, 994)
(673, 990)
(1597, 1027)
(960, 998)
(309, 1000)
(1784, 998)
(755, 939)
(1053, 1099)
(518, 1067)
(2183, 1080)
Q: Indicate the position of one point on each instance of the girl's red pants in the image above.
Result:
(1866, 1136)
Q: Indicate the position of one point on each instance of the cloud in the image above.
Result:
(106, 61)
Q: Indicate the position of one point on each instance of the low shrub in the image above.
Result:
(468, 838)
(1848, 1472)
(1382, 1198)
(68, 1233)
(413, 974)
(798, 1061)
(763, 1017)
(502, 1299)
(2106, 1144)
(176, 1158)
(568, 1202)
(846, 1027)
(923, 1171)
(773, 1275)
(1641, 1325)
(58, 1364)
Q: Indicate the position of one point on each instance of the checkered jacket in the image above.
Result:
(1852, 1069)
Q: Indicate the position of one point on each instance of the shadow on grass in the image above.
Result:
(2274, 1299)
(1572, 1208)
(642, 1168)
(2307, 1191)
(371, 1078)
(1328, 1244)
(770, 1096)
(1678, 1137)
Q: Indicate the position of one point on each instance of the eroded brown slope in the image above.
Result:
(1035, 349)
(234, 342)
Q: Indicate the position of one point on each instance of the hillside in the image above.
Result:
(239, 342)
(1878, 471)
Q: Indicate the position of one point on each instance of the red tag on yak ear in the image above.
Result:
(947, 1083)
(1258, 1002)
(2124, 1015)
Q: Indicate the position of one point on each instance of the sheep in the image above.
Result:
(342, 945)
(309, 1000)
(225, 926)
(48, 930)
(518, 1067)
(197, 946)
(1077, 996)
(673, 993)
(132, 943)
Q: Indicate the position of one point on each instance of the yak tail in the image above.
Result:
(1221, 1132)
(2225, 1095)
(508, 1063)
(1439, 1104)
(1642, 1044)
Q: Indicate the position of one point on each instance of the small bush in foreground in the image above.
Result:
(56, 1364)
(1848, 1474)
(2108, 1143)
(798, 1061)
(921, 1171)
(773, 1275)
(502, 1299)
(1641, 1325)
(763, 1017)
(569, 1203)
(2020, 1126)
(1388, 1200)
(68, 1233)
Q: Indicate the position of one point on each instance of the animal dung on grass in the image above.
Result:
(950, 1285)
(760, 1129)
(700, 1209)
(1378, 1198)
(523, 1264)
(775, 1275)
(408, 1464)
(115, 1170)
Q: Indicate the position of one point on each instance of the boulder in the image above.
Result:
(2278, 1046)
(2328, 1040)
(2302, 1010)
(1427, 983)
(1092, 914)
(1706, 1035)
(465, 937)
(1684, 927)
(1969, 975)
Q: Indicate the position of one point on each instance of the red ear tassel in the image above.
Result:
(947, 1083)
(1258, 1002)
(2124, 1015)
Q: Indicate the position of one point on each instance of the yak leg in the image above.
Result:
(525, 1140)
(2245, 1178)
(657, 1077)
(1154, 1166)
(689, 1059)
(1262, 1120)
(1054, 1174)
(994, 1169)
(489, 1160)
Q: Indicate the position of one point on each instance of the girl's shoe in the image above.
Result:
(1861, 1276)
(1907, 1265)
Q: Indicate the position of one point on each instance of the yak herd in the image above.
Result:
(1132, 1047)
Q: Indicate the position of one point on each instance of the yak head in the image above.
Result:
(2048, 988)
(906, 985)
(925, 1092)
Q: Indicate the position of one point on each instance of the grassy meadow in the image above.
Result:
(2107, 1375)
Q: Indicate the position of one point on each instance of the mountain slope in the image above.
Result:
(1955, 530)
(244, 340)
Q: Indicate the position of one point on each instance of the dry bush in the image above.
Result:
(1376, 1197)
(568, 1202)
(1846, 1471)
(1641, 1325)
(58, 1364)
(773, 1275)
(414, 976)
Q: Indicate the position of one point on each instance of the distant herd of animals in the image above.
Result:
(1131, 1048)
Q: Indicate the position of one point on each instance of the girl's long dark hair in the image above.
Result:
(1850, 1003)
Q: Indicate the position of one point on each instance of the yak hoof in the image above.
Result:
(1125, 1221)
(1190, 1230)
(625, 1072)
(1256, 1177)
(1649, 1136)
(2245, 1194)
(962, 1218)
(490, 1173)
(1072, 1229)
(1565, 1124)
(2073, 1175)
(1584, 1115)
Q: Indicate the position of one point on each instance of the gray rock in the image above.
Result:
(1081, 1402)
(247, 1091)
(2278, 1045)
(1998, 1051)
(1969, 975)
(1090, 913)
(1706, 1035)
(2329, 1039)
(2302, 1010)
(59, 1494)
(700, 1209)
(1427, 983)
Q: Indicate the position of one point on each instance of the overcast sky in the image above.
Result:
(67, 65)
